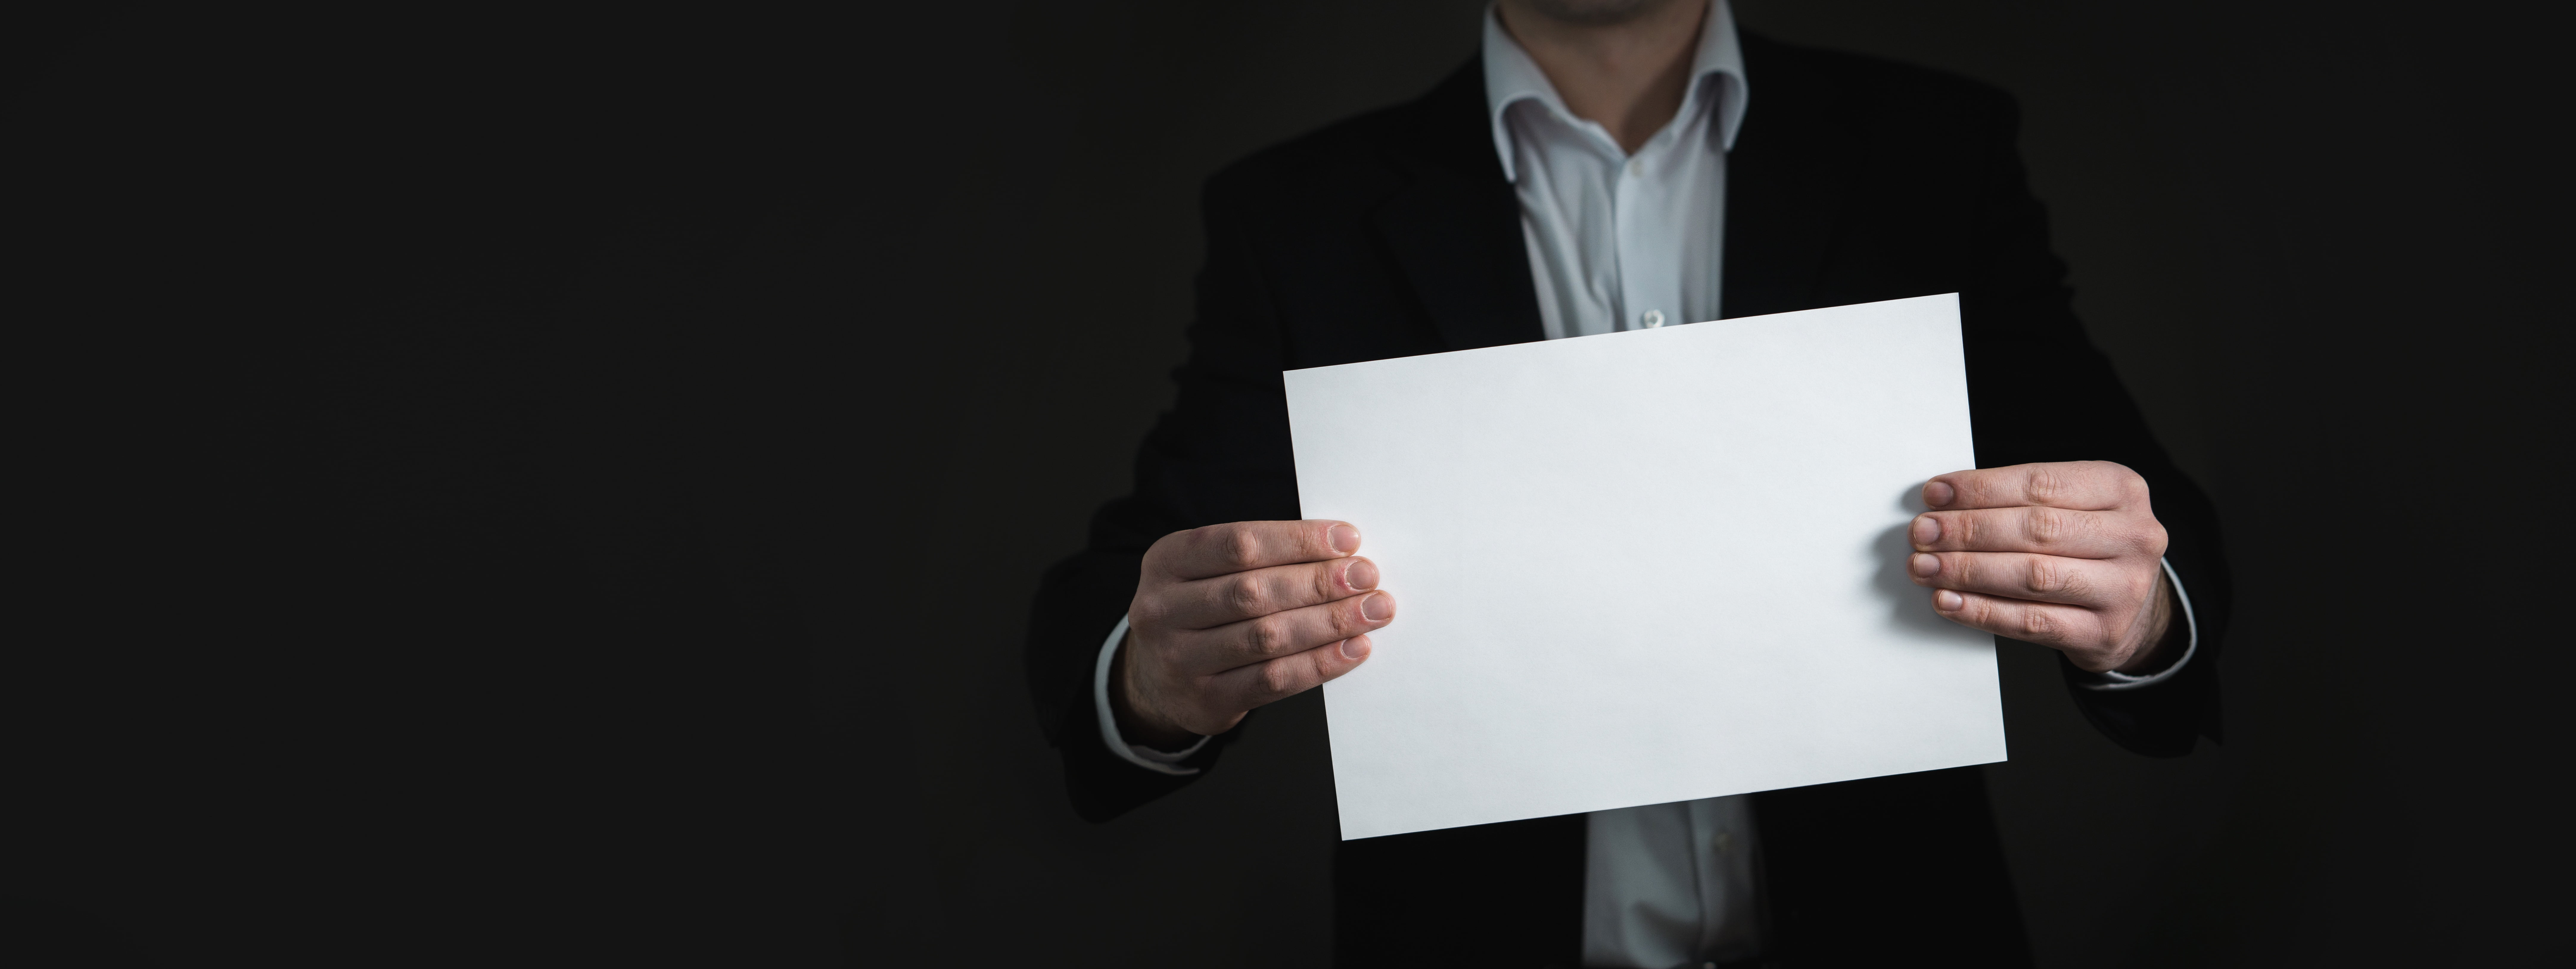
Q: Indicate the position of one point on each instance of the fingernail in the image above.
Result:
(1924, 566)
(1927, 530)
(1948, 601)
(1361, 576)
(1355, 647)
(1343, 538)
(1939, 494)
(1377, 608)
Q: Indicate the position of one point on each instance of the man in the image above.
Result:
(1606, 165)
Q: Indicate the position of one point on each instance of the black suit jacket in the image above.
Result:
(1394, 233)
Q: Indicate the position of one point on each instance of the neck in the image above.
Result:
(1622, 65)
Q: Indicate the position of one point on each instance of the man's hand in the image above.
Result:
(1230, 617)
(2065, 555)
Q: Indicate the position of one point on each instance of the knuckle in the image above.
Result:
(2049, 526)
(1962, 569)
(1278, 678)
(1246, 596)
(2036, 624)
(1324, 587)
(1158, 556)
(1963, 530)
(2040, 578)
(1149, 612)
(2049, 576)
(2123, 483)
(2154, 539)
(2045, 484)
(1266, 636)
(1183, 549)
(1957, 571)
(1237, 548)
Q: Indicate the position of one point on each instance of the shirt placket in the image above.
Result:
(1626, 187)
(1647, 287)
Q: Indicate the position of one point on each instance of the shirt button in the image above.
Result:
(1652, 319)
(1636, 166)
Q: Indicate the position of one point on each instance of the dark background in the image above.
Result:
(562, 485)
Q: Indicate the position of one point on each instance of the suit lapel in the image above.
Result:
(1787, 182)
(1454, 225)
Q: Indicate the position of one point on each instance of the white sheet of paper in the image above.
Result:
(1647, 566)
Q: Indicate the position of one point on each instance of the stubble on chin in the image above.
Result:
(1594, 13)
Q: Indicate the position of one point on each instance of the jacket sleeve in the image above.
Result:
(1221, 454)
(2051, 396)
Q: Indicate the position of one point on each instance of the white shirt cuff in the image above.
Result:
(2116, 680)
(1158, 761)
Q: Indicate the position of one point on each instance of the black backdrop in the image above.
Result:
(554, 484)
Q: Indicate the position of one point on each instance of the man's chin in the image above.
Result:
(1594, 13)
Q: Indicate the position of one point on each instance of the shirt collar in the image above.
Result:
(1510, 76)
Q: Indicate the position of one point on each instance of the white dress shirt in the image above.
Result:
(1621, 241)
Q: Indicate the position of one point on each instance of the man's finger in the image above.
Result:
(2079, 485)
(2035, 528)
(2092, 583)
(1241, 546)
(2044, 623)
(1282, 677)
(1208, 603)
(1280, 634)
